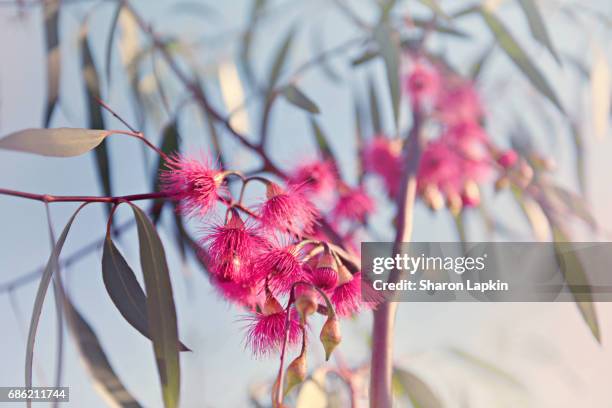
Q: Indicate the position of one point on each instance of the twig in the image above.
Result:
(112, 112)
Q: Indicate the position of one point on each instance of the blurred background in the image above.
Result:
(471, 354)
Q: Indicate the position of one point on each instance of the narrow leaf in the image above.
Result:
(60, 142)
(374, 109)
(519, 57)
(388, 44)
(322, 142)
(40, 298)
(434, 6)
(575, 276)
(479, 64)
(601, 85)
(124, 289)
(491, 369)
(280, 60)
(538, 26)
(577, 138)
(107, 383)
(170, 146)
(296, 97)
(109, 41)
(419, 393)
(160, 308)
(95, 120)
(51, 13)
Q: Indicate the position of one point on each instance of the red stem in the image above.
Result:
(47, 198)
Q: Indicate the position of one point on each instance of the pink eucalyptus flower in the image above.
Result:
(281, 266)
(382, 156)
(422, 83)
(287, 210)
(507, 158)
(458, 101)
(347, 296)
(232, 247)
(244, 294)
(266, 330)
(318, 176)
(354, 204)
(195, 183)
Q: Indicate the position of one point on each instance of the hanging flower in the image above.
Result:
(232, 247)
(287, 210)
(354, 204)
(280, 266)
(382, 156)
(317, 177)
(266, 329)
(422, 83)
(195, 183)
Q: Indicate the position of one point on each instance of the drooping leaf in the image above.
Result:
(322, 142)
(420, 394)
(366, 56)
(109, 41)
(490, 368)
(160, 308)
(247, 39)
(59, 142)
(576, 278)
(95, 120)
(106, 381)
(388, 44)
(441, 28)
(280, 59)
(575, 203)
(577, 138)
(51, 13)
(170, 146)
(374, 107)
(296, 97)
(601, 86)
(520, 57)
(479, 64)
(434, 6)
(538, 26)
(233, 95)
(45, 280)
(124, 289)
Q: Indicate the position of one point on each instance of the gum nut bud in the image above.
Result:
(271, 306)
(272, 190)
(234, 220)
(502, 183)
(471, 194)
(433, 198)
(344, 275)
(296, 372)
(326, 260)
(330, 335)
(305, 301)
(525, 174)
(507, 158)
(454, 203)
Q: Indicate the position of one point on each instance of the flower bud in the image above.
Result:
(507, 158)
(305, 301)
(296, 372)
(433, 198)
(502, 183)
(330, 335)
(344, 275)
(471, 194)
(454, 203)
(271, 306)
(525, 174)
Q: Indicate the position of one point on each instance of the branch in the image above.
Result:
(46, 198)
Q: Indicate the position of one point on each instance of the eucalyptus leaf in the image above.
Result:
(161, 310)
(51, 15)
(43, 286)
(520, 57)
(420, 394)
(538, 26)
(59, 142)
(296, 97)
(388, 43)
(95, 360)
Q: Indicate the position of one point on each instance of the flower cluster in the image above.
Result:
(459, 154)
(273, 249)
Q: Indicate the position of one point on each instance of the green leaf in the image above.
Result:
(420, 394)
(519, 57)
(538, 26)
(51, 14)
(124, 289)
(577, 138)
(96, 120)
(160, 308)
(280, 60)
(43, 286)
(109, 41)
(59, 142)
(440, 28)
(491, 369)
(601, 82)
(374, 110)
(576, 278)
(322, 141)
(477, 67)
(388, 44)
(107, 383)
(434, 6)
(368, 55)
(169, 145)
(296, 97)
